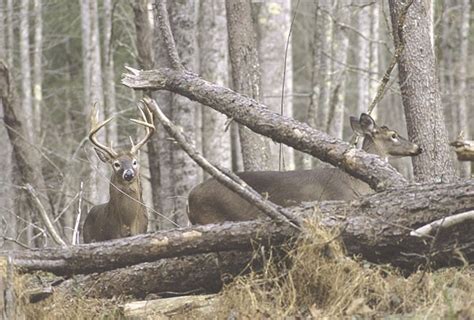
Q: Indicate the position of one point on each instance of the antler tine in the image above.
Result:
(147, 122)
(95, 127)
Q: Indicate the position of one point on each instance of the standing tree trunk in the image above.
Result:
(93, 92)
(37, 61)
(185, 172)
(335, 124)
(109, 74)
(160, 145)
(25, 66)
(213, 66)
(374, 53)
(246, 78)
(420, 93)
(463, 114)
(326, 26)
(10, 40)
(363, 59)
(274, 19)
(143, 15)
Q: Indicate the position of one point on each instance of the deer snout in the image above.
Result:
(128, 175)
(418, 150)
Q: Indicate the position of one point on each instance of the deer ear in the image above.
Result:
(355, 125)
(103, 156)
(367, 124)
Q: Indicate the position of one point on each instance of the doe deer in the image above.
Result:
(124, 215)
(210, 202)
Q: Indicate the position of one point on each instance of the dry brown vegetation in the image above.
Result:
(316, 281)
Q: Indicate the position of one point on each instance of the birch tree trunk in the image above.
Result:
(213, 66)
(246, 78)
(463, 114)
(274, 19)
(420, 93)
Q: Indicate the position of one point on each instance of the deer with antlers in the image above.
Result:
(125, 214)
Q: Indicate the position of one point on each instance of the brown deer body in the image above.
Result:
(210, 202)
(124, 215)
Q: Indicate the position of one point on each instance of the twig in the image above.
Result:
(165, 29)
(75, 233)
(280, 151)
(44, 215)
(443, 224)
(230, 180)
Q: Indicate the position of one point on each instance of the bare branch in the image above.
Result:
(443, 223)
(44, 216)
(165, 29)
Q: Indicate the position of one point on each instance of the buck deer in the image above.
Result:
(210, 202)
(124, 215)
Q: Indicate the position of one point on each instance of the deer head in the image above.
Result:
(124, 214)
(382, 141)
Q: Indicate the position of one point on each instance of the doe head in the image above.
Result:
(387, 142)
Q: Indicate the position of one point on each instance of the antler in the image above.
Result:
(95, 127)
(147, 122)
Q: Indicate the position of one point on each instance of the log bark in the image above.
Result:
(203, 273)
(376, 227)
(464, 149)
(369, 168)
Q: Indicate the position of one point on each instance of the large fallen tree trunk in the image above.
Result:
(196, 274)
(377, 227)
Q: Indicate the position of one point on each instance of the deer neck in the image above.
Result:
(125, 200)
(369, 146)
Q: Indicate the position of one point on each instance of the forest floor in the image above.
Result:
(316, 280)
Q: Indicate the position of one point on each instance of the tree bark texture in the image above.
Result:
(246, 78)
(25, 67)
(463, 114)
(376, 227)
(274, 19)
(421, 94)
(202, 273)
(213, 66)
(184, 171)
(369, 168)
(335, 124)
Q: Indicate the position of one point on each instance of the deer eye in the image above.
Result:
(394, 136)
(134, 163)
(117, 164)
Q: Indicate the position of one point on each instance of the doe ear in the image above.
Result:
(103, 156)
(367, 123)
(355, 125)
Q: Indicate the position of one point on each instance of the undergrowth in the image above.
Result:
(321, 282)
(316, 280)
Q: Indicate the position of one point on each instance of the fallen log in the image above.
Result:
(376, 227)
(196, 274)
